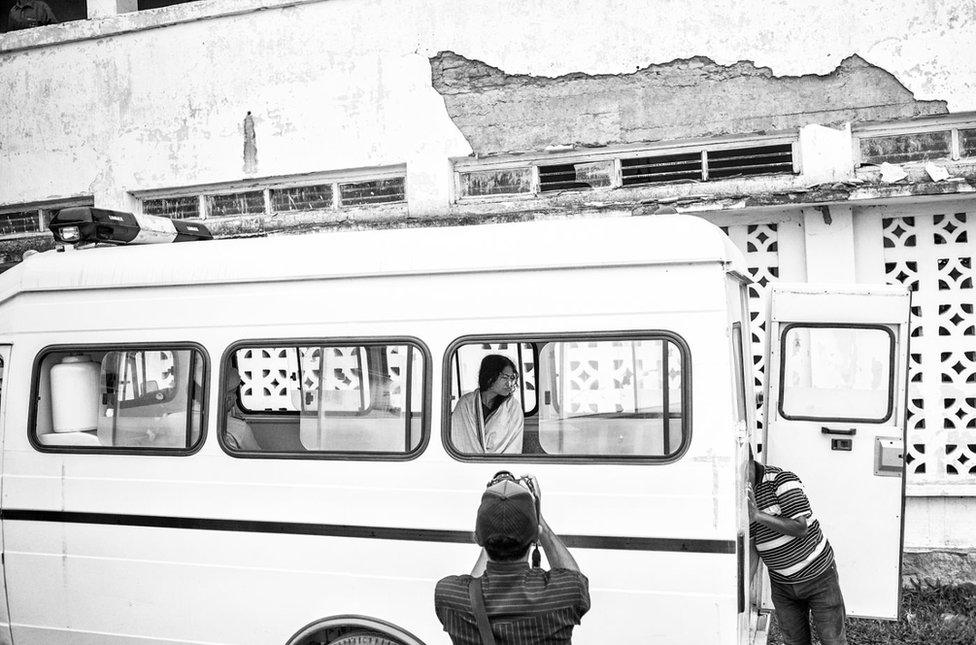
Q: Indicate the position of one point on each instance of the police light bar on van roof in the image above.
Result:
(86, 225)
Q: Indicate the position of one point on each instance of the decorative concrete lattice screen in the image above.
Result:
(608, 377)
(932, 254)
(760, 244)
(270, 376)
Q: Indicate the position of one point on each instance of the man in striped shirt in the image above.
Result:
(524, 605)
(801, 566)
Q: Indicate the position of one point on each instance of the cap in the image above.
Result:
(507, 510)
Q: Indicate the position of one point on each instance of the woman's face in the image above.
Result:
(506, 382)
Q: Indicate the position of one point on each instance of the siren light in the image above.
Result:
(86, 225)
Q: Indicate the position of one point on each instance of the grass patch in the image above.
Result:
(931, 614)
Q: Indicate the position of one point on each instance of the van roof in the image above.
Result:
(603, 242)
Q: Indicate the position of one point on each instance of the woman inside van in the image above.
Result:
(489, 419)
(237, 434)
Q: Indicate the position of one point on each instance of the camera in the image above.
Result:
(525, 481)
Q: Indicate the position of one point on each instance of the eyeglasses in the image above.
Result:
(511, 378)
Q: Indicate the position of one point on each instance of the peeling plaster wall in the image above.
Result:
(682, 99)
(346, 83)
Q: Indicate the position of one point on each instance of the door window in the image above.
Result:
(837, 373)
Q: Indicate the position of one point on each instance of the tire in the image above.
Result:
(364, 638)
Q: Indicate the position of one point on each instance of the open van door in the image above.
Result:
(835, 415)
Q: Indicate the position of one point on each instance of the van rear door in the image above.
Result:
(835, 415)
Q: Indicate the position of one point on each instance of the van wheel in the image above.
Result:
(364, 638)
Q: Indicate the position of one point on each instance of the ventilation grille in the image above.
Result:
(575, 176)
(496, 182)
(301, 198)
(20, 222)
(173, 207)
(967, 143)
(380, 191)
(246, 203)
(761, 160)
(902, 148)
(653, 170)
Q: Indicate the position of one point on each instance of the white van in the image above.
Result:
(248, 441)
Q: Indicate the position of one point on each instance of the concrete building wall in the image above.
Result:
(118, 106)
(225, 91)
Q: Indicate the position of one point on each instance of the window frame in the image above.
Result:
(821, 325)
(203, 193)
(953, 123)
(338, 341)
(534, 160)
(128, 450)
(537, 339)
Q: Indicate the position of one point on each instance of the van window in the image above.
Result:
(308, 399)
(838, 373)
(609, 397)
(119, 399)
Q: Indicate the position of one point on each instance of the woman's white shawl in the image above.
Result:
(502, 434)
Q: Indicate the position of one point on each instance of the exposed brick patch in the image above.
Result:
(947, 567)
(683, 99)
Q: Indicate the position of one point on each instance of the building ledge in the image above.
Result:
(124, 23)
(747, 194)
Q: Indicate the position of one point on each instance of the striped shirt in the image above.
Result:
(525, 606)
(790, 560)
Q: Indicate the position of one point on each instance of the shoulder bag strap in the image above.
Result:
(476, 594)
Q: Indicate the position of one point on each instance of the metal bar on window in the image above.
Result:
(633, 359)
(666, 395)
(145, 375)
(320, 413)
(362, 381)
(191, 394)
(408, 394)
(457, 373)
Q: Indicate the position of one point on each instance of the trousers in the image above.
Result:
(819, 599)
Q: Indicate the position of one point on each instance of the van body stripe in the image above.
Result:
(622, 543)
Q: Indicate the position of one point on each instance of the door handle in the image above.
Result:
(847, 433)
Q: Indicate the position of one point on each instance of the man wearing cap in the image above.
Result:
(523, 605)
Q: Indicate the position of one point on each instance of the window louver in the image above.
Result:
(574, 176)
(173, 207)
(246, 203)
(750, 161)
(301, 198)
(904, 148)
(967, 143)
(380, 191)
(22, 222)
(651, 170)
